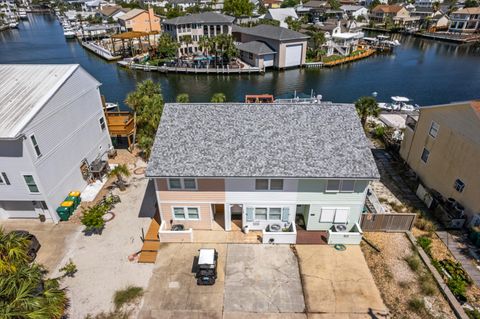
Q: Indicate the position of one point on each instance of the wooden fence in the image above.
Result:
(387, 222)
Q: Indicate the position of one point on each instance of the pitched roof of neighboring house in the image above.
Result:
(183, 1)
(348, 7)
(270, 2)
(474, 10)
(385, 8)
(24, 89)
(261, 140)
(272, 32)
(109, 11)
(204, 17)
(132, 14)
(255, 47)
(281, 14)
(316, 4)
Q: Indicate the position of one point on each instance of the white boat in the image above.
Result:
(68, 33)
(13, 25)
(109, 106)
(22, 13)
(399, 103)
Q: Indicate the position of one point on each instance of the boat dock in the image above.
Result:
(167, 69)
(449, 37)
(100, 51)
(348, 59)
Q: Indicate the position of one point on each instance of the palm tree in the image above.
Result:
(367, 106)
(204, 44)
(119, 172)
(13, 251)
(218, 98)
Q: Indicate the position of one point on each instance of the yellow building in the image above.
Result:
(140, 20)
(442, 146)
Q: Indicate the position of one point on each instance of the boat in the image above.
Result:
(68, 33)
(13, 25)
(399, 103)
(110, 106)
(22, 13)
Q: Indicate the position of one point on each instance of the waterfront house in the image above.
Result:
(297, 166)
(280, 15)
(341, 42)
(442, 146)
(112, 12)
(195, 26)
(382, 12)
(140, 20)
(465, 20)
(355, 11)
(290, 47)
(51, 126)
(256, 53)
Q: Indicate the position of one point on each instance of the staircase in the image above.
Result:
(338, 48)
(151, 243)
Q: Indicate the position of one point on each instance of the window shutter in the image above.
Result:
(285, 214)
(249, 214)
(341, 215)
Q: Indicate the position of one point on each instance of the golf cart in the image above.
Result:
(207, 266)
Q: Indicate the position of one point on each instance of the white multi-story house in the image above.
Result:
(343, 43)
(51, 125)
(296, 166)
(465, 20)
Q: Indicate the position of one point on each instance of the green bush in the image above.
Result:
(416, 304)
(413, 262)
(427, 285)
(458, 288)
(92, 219)
(473, 314)
(126, 296)
(379, 131)
(69, 269)
(425, 243)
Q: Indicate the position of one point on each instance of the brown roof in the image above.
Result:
(111, 10)
(271, 1)
(385, 8)
(474, 10)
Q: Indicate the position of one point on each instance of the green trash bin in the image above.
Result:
(74, 199)
(63, 213)
(69, 205)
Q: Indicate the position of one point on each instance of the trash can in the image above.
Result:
(69, 205)
(63, 213)
(74, 199)
(74, 194)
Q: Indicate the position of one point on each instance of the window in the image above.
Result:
(32, 187)
(4, 179)
(275, 213)
(348, 186)
(269, 184)
(434, 129)
(102, 123)
(425, 155)
(260, 213)
(333, 185)
(459, 185)
(182, 183)
(35, 145)
(186, 213)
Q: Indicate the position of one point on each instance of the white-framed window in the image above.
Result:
(459, 185)
(186, 213)
(261, 213)
(35, 145)
(274, 184)
(425, 155)
(182, 183)
(30, 181)
(275, 213)
(267, 213)
(337, 185)
(335, 215)
(4, 179)
(102, 123)
(433, 132)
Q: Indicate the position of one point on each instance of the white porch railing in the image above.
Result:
(352, 237)
(280, 237)
(169, 236)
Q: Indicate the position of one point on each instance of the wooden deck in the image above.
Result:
(311, 237)
(151, 244)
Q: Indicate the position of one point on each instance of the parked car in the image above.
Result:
(33, 243)
(207, 266)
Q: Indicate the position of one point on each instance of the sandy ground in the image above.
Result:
(102, 260)
(395, 279)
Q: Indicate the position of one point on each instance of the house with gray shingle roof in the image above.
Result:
(296, 167)
(256, 53)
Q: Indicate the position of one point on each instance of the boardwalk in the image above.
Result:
(166, 69)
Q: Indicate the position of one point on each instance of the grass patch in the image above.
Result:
(127, 295)
(413, 262)
(425, 243)
(427, 285)
(403, 284)
(425, 225)
(416, 304)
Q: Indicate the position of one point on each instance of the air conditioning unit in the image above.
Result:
(340, 228)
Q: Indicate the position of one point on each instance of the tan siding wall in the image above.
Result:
(174, 237)
(209, 190)
(205, 221)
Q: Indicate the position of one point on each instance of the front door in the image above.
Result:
(236, 216)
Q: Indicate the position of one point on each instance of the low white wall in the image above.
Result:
(353, 237)
(168, 236)
(280, 237)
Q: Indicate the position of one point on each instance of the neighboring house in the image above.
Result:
(195, 26)
(272, 4)
(51, 125)
(427, 3)
(256, 53)
(384, 11)
(316, 9)
(281, 15)
(140, 20)
(261, 164)
(290, 47)
(465, 20)
(443, 148)
(114, 12)
(367, 3)
(340, 42)
(353, 11)
(431, 20)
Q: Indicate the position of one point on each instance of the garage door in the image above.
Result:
(293, 56)
(17, 209)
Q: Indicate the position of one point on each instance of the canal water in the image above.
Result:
(429, 72)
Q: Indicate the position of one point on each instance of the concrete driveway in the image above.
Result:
(338, 284)
(55, 239)
(262, 279)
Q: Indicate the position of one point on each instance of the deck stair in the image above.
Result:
(151, 243)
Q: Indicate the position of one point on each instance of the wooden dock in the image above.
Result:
(349, 59)
(151, 243)
(100, 51)
(166, 69)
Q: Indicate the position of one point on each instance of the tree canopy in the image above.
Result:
(238, 8)
(167, 47)
(366, 106)
(471, 3)
(289, 3)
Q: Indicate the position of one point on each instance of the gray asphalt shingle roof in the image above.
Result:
(255, 47)
(261, 140)
(204, 17)
(272, 32)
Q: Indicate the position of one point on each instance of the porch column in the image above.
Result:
(228, 218)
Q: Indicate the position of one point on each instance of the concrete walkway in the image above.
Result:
(462, 250)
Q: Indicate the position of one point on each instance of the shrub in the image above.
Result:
(416, 304)
(473, 314)
(126, 296)
(424, 224)
(427, 285)
(413, 262)
(458, 288)
(92, 219)
(425, 243)
(69, 269)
